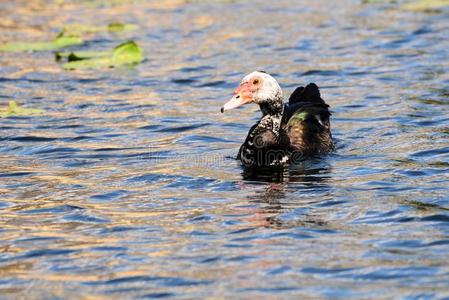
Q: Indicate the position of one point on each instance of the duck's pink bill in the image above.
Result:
(235, 102)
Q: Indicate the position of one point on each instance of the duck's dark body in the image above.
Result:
(299, 129)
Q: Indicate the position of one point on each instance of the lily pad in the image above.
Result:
(80, 29)
(14, 109)
(426, 5)
(414, 5)
(80, 55)
(61, 41)
(128, 53)
(119, 27)
(108, 3)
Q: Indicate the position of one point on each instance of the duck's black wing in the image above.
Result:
(306, 121)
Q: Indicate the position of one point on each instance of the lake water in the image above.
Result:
(128, 187)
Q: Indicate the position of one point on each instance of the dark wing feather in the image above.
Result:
(306, 121)
(311, 93)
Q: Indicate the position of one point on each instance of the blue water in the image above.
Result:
(127, 186)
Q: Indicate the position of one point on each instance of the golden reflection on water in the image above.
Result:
(133, 200)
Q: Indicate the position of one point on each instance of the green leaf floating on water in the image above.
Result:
(119, 27)
(61, 41)
(80, 55)
(415, 5)
(426, 5)
(14, 109)
(128, 53)
(70, 36)
(79, 29)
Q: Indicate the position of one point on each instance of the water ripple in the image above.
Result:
(128, 187)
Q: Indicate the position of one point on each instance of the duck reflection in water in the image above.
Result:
(280, 196)
(307, 171)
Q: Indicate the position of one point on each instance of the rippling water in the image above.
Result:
(127, 186)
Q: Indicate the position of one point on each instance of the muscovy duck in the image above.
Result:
(288, 132)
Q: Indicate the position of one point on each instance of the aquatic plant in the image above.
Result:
(14, 109)
(128, 53)
(62, 40)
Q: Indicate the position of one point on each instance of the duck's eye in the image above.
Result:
(256, 81)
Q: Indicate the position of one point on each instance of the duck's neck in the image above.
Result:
(272, 111)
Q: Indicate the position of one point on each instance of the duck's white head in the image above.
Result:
(260, 88)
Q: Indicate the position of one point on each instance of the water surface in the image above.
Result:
(127, 186)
